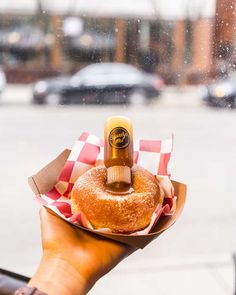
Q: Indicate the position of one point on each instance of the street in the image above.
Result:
(195, 255)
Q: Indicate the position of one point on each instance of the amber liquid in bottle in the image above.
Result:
(118, 154)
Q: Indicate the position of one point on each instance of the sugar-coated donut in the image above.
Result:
(120, 213)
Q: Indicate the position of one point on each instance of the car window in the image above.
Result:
(106, 69)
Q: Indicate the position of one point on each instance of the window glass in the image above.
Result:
(65, 66)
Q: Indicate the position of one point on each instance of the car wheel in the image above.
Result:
(37, 101)
(138, 97)
(53, 99)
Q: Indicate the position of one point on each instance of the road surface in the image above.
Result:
(194, 256)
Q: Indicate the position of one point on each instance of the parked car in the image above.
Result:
(100, 83)
(2, 81)
(221, 93)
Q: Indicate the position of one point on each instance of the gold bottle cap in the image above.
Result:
(118, 174)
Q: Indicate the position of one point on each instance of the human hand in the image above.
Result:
(166, 185)
(73, 259)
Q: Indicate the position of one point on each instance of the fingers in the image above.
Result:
(47, 220)
(166, 185)
(53, 229)
(57, 233)
(42, 213)
(47, 214)
(47, 226)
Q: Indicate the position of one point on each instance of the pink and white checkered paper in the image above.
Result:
(87, 152)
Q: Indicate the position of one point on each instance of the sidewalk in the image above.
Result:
(174, 96)
(184, 96)
(213, 276)
(16, 94)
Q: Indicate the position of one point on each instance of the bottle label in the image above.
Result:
(119, 138)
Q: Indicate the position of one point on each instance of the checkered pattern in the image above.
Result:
(154, 155)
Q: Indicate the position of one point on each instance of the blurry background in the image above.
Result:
(169, 66)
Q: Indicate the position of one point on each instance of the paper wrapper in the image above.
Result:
(53, 184)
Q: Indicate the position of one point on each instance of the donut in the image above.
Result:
(119, 213)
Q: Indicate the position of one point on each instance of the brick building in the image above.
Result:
(184, 48)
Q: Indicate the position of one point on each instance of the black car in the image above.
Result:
(221, 93)
(100, 83)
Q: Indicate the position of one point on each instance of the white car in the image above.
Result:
(2, 81)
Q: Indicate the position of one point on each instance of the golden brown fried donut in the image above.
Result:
(120, 213)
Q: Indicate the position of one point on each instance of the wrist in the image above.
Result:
(56, 276)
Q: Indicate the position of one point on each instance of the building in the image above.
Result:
(176, 40)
